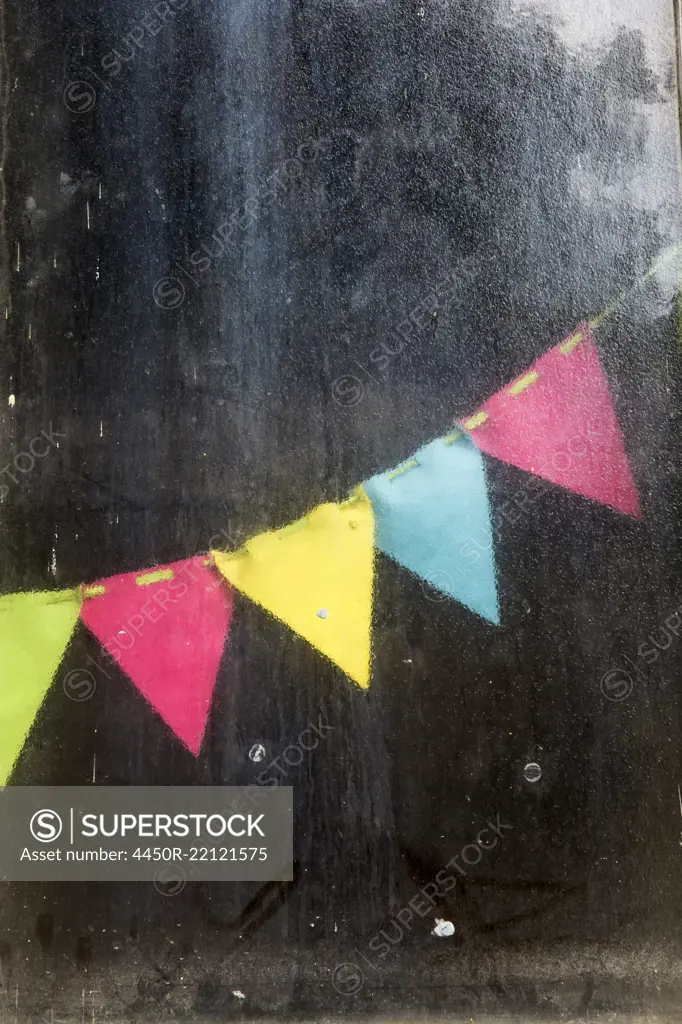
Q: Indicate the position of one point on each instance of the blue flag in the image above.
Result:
(432, 516)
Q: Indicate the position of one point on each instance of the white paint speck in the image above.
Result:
(443, 929)
(11, 401)
(238, 993)
(257, 752)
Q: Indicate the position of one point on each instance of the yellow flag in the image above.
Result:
(35, 629)
(317, 576)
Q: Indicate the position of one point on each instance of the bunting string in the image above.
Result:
(166, 627)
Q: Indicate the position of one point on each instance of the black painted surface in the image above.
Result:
(450, 132)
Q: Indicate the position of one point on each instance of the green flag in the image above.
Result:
(34, 631)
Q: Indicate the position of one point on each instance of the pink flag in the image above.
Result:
(557, 421)
(166, 628)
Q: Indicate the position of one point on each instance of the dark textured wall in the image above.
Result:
(450, 138)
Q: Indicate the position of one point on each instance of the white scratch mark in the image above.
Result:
(87, 212)
(101, 429)
(99, 194)
(18, 256)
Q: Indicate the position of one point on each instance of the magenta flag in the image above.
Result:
(166, 628)
(557, 421)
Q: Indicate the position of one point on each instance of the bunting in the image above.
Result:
(316, 575)
(35, 629)
(557, 422)
(166, 629)
(427, 512)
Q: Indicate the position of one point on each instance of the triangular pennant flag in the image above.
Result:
(316, 575)
(557, 422)
(34, 632)
(166, 629)
(430, 514)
